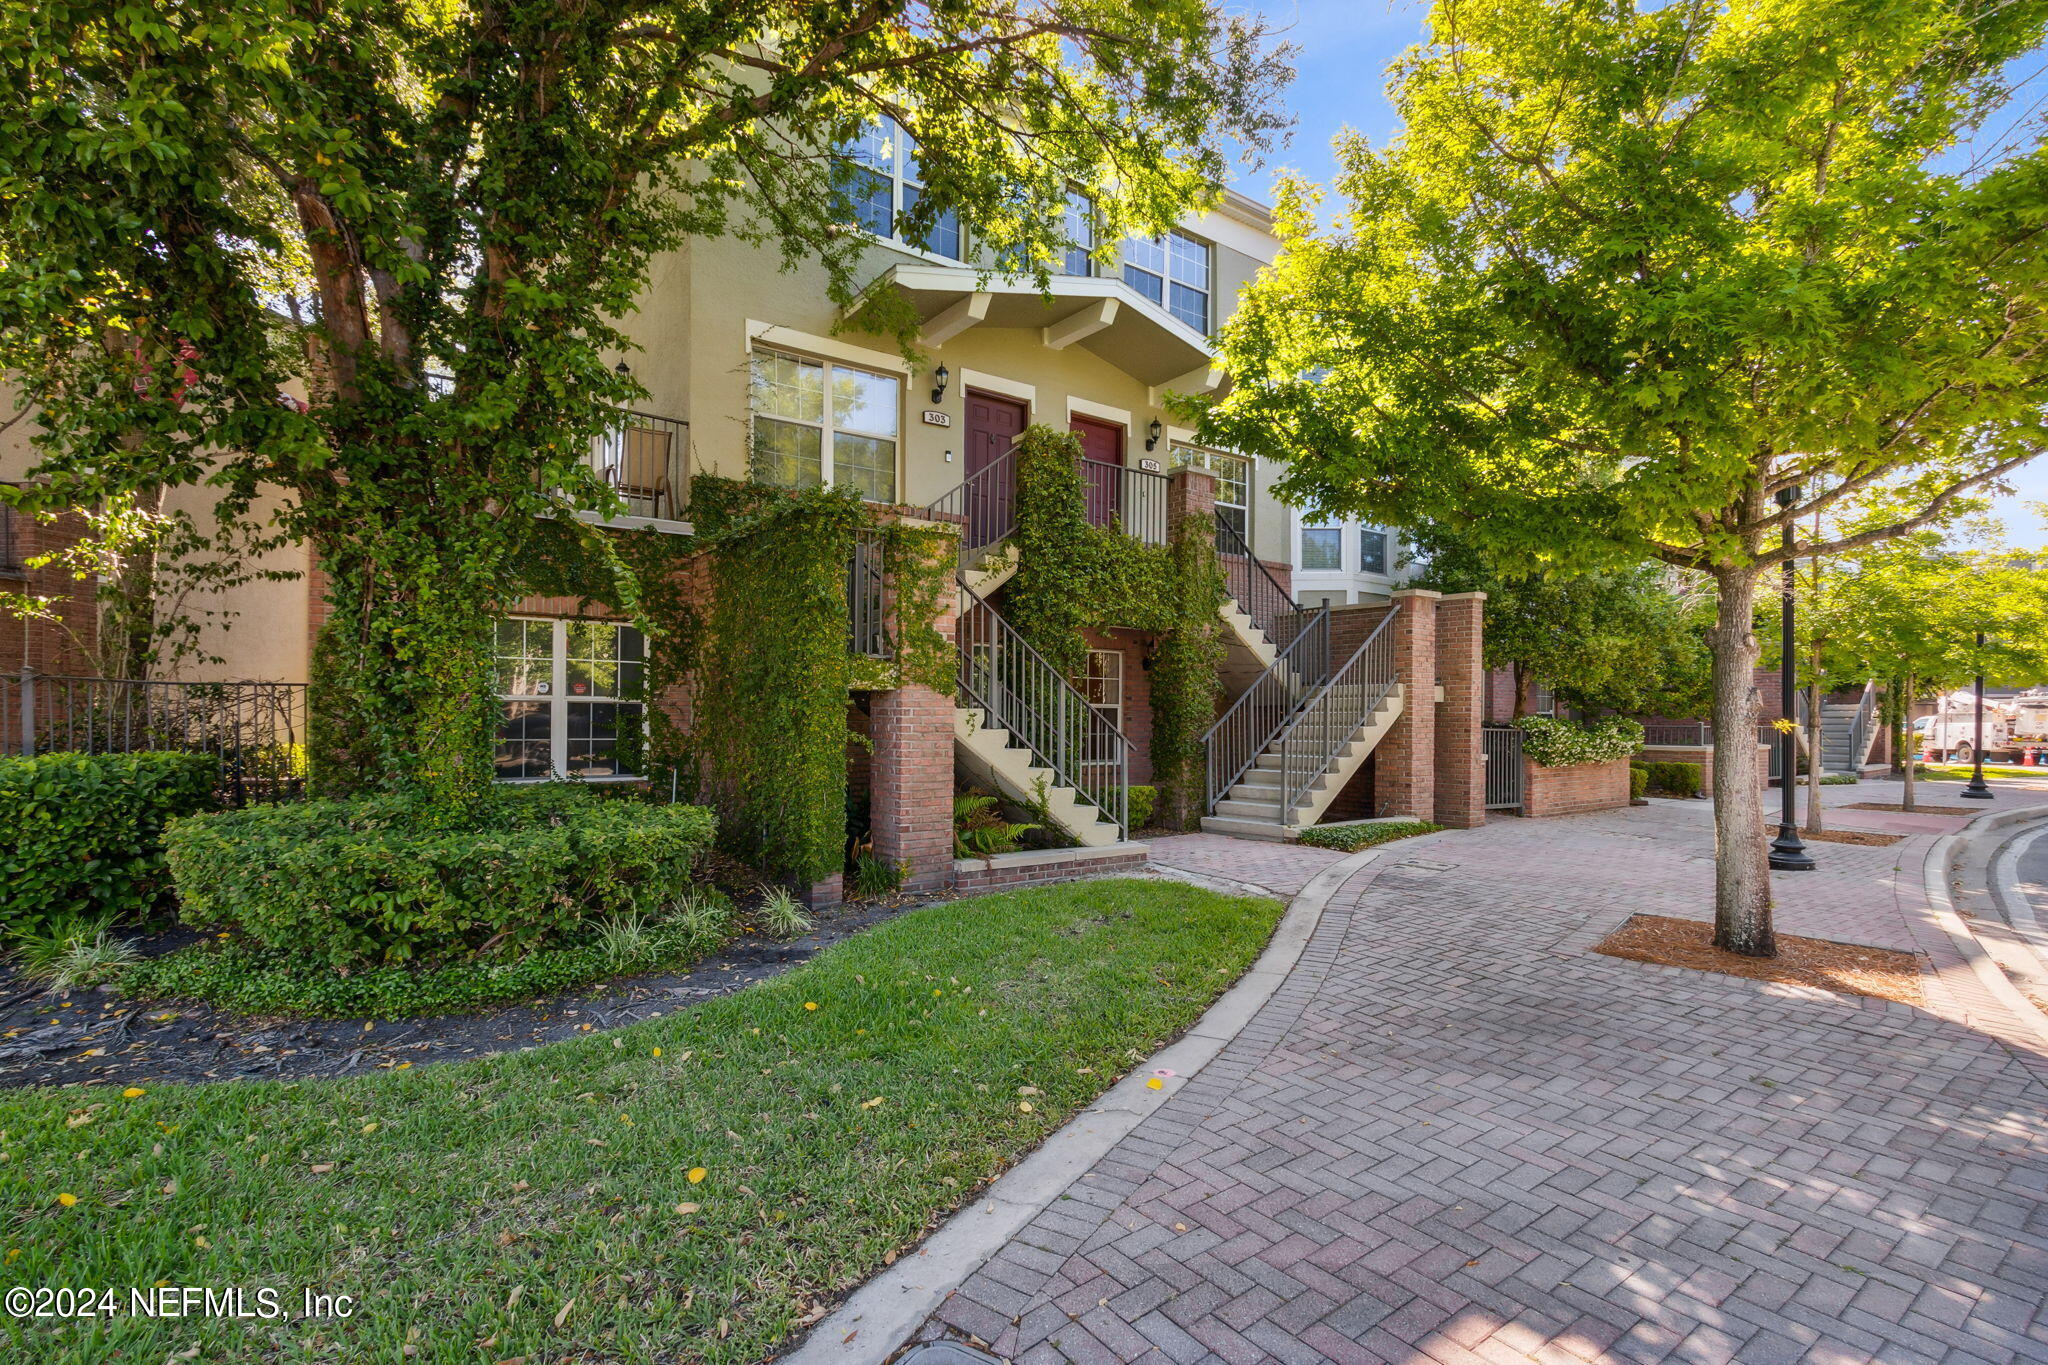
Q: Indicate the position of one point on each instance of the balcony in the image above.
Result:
(645, 459)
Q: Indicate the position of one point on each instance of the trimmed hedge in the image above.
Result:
(84, 832)
(1351, 838)
(365, 881)
(1673, 779)
(1638, 781)
(1567, 744)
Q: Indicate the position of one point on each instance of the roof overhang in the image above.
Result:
(1105, 316)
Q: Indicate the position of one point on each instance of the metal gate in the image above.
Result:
(1502, 745)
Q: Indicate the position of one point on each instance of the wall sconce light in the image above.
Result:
(1152, 434)
(623, 370)
(939, 378)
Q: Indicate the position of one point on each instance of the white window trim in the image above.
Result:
(1179, 440)
(558, 701)
(903, 148)
(1101, 412)
(1027, 394)
(780, 338)
(826, 426)
(1167, 281)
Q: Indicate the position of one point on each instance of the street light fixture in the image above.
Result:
(1788, 853)
(1977, 790)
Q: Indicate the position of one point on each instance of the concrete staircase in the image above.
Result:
(995, 758)
(1838, 738)
(1253, 808)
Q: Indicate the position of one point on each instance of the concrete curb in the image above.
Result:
(1936, 871)
(881, 1315)
(2005, 889)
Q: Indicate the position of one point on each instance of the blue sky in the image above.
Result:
(1346, 45)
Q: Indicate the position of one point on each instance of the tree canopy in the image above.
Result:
(376, 255)
(1628, 274)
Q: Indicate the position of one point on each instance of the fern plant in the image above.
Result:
(979, 829)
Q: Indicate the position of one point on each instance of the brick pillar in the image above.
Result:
(911, 773)
(1460, 761)
(1190, 493)
(1406, 774)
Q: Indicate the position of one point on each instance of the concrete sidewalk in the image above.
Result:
(1456, 1135)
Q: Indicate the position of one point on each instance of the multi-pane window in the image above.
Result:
(1372, 551)
(1080, 229)
(819, 422)
(1322, 548)
(1102, 683)
(571, 698)
(1172, 271)
(1233, 484)
(884, 182)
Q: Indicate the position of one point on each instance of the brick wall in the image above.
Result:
(1034, 869)
(1133, 646)
(47, 646)
(1460, 763)
(911, 777)
(1406, 778)
(1575, 790)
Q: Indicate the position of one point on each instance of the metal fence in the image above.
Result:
(1330, 718)
(646, 460)
(256, 729)
(1133, 500)
(867, 630)
(1502, 746)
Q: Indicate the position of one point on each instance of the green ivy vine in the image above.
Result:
(1073, 577)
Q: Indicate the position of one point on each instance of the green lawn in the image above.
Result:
(1960, 772)
(540, 1205)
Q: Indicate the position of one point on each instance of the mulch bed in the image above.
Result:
(1852, 968)
(140, 1043)
(1919, 808)
(1849, 836)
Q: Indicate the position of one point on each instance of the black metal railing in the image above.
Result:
(256, 729)
(1502, 747)
(645, 459)
(867, 628)
(1685, 734)
(1265, 708)
(1257, 593)
(984, 506)
(1133, 499)
(1043, 710)
(1330, 719)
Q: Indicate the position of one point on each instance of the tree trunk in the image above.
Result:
(1742, 879)
(1521, 693)
(1816, 742)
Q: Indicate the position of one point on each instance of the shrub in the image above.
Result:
(874, 875)
(243, 976)
(782, 916)
(84, 832)
(1840, 780)
(1351, 838)
(1673, 779)
(1566, 744)
(1143, 799)
(979, 829)
(1638, 781)
(366, 880)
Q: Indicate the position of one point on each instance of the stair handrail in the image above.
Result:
(1086, 751)
(979, 493)
(1860, 734)
(1262, 710)
(1329, 718)
(1263, 598)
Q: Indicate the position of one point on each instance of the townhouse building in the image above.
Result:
(1331, 702)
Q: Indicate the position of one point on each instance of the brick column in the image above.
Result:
(1190, 493)
(911, 774)
(1460, 760)
(1405, 782)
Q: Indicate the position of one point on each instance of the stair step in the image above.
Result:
(1246, 829)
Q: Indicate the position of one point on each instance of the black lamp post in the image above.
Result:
(1976, 789)
(1788, 853)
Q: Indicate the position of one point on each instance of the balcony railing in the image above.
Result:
(1134, 499)
(645, 459)
(866, 625)
(985, 506)
(1332, 716)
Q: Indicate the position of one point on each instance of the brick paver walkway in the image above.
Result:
(1456, 1136)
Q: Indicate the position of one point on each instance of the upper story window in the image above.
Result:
(884, 183)
(1080, 226)
(1372, 551)
(1172, 271)
(570, 693)
(1233, 484)
(819, 422)
(13, 540)
(1322, 548)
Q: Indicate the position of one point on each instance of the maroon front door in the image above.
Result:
(1102, 463)
(993, 426)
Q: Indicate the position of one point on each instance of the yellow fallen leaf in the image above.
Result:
(870, 1104)
(697, 1174)
(133, 1092)
(657, 1052)
(369, 1127)
(1025, 1107)
(202, 1244)
(1155, 1084)
(810, 1004)
(67, 1200)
